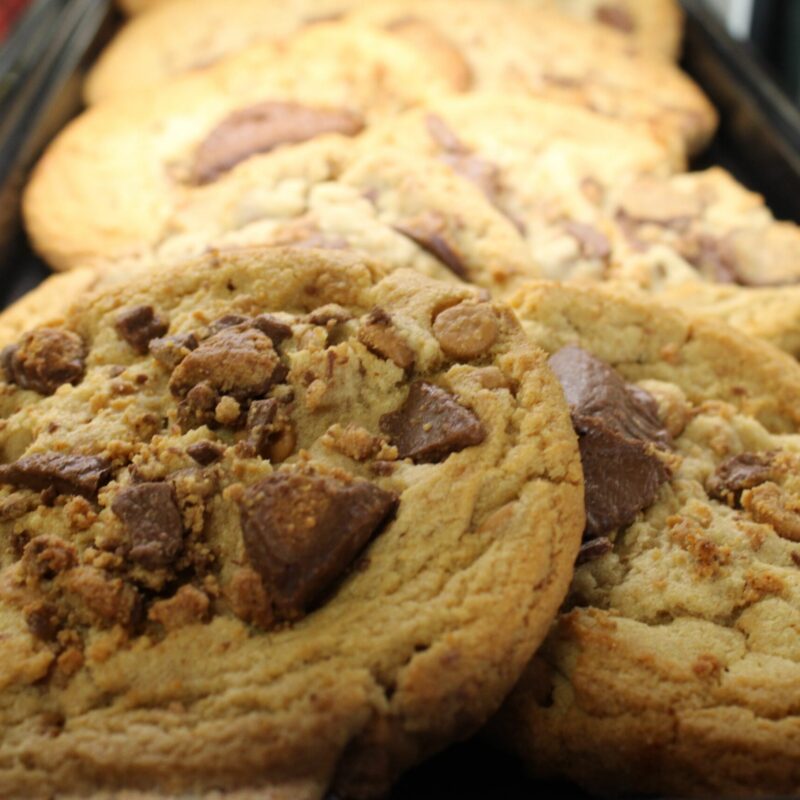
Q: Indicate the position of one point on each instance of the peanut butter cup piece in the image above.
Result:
(153, 522)
(615, 16)
(45, 359)
(431, 425)
(139, 325)
(235, 361)
(380, 336)
(737, 473)
(205, 452)
(618, 428)
(263, 127)
(171, 350)
(66, 474)
(302, 529)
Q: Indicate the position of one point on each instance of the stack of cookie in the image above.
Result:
(399, 382)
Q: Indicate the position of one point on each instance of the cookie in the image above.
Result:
(549, 166)
(673, 666)
(543, 53)
(184, 35)
(48, 301)
(125, 163)
(525, 48)
(705, 243)
(233, 558)
(655, 27)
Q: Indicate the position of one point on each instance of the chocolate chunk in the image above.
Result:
(263, 127)
(153, 523)
(381, 338)
(711, 257)
(617, 425)
(205, 452)
(593, 243)
(138, 325)
(45, 359)
(621, 476)
(594, 389)
(43, 620)
(616, 17)
(227, 321)
(171, 350)
(428, 230)
(272, 327)
(65, 474)
(235, 361)
(459, 157)
(738, 473)
(593, 549)
(301, 530)
(431, 425)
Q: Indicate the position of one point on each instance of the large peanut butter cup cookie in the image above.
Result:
(272, 522)
(674, 665)
(115, 173)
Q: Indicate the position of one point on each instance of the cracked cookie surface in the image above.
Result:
(673, 665)
(267, 515)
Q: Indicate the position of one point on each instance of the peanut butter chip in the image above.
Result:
(466, 331)
(302, 529)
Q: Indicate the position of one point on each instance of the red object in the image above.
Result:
(9, 11)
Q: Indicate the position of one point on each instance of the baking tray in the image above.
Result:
(758, 141)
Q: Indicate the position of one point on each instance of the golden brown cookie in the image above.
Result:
(674, 665)
(115, 173)
(513, 46)
(272, 522)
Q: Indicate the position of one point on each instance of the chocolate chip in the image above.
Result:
(738, 473)
(45, 359)
(380, 337)
(66, 474)
(621, 476)
(272, 327)
(593, 549)
(235, 361)
(428, 230)
(431, 425)
(263, 127)
(594, 389)
(138, 325)
(302, 529)
(617, 425)
(444, 135)
(205, 452)
(171, 350)
(616, 17)
(152, 521)
(593, 243)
